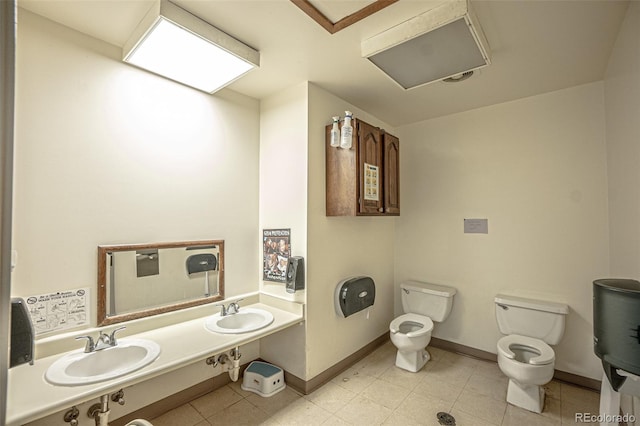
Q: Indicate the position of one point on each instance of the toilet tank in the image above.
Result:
(431, 300)
(540, 319)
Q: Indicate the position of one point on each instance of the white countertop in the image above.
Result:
(30, 396)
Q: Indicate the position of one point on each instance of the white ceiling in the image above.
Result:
(537, 46)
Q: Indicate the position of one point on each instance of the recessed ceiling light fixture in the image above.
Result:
(173, 43)
(443, 42)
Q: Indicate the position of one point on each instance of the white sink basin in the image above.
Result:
(80, 368)
(247, 319)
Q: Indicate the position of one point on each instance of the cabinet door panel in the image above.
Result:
(391, 156)
(370, 169)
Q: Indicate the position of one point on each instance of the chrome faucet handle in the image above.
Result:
(90, 345)
(103, 342)
(234, 306)
(223, 309)
(112, 336)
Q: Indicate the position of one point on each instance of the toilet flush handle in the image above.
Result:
(505, 307)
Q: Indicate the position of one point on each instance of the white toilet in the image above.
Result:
(524, 355)
(422, 303)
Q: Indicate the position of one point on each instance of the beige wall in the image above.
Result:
(109, 154)
(106, 154)
(283, 173)
(536, 169)
(341, 247)
(622, 97)
(283, 204)
(292, 137)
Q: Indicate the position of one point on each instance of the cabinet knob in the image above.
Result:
(381, 209)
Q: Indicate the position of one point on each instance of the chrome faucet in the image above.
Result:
(103, 341)
(233, 308)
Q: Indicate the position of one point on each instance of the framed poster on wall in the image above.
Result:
(276, 250)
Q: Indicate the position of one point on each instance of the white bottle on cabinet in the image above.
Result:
(335, 132)
(347, 131)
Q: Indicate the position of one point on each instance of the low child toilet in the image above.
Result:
(422, 303)
(524, 355)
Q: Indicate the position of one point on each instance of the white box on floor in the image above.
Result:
(263, 378)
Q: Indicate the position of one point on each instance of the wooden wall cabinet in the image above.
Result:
(363, 180)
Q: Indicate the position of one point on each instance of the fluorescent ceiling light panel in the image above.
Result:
(440, 43)
(173, 43)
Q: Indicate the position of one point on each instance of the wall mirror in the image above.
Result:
(140, 280)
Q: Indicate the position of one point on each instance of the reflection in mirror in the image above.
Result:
(140, 280)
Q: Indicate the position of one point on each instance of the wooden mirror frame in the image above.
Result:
(103, 319)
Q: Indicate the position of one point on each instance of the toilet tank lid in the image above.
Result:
(439, 290)
(538, 305)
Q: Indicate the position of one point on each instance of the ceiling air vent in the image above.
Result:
(444, 42)
(458, 78)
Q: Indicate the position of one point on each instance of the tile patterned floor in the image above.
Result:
(375, 392)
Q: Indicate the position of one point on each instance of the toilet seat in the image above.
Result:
(425, 322)
(547, 356)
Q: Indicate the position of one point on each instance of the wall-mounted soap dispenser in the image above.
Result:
(22, 334)
(295, 274)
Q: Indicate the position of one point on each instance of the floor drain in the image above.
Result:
(446, 419)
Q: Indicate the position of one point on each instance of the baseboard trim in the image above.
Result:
(463, 350)
(308, 386)
(562, 376)
(305, 387)
(577, 380)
